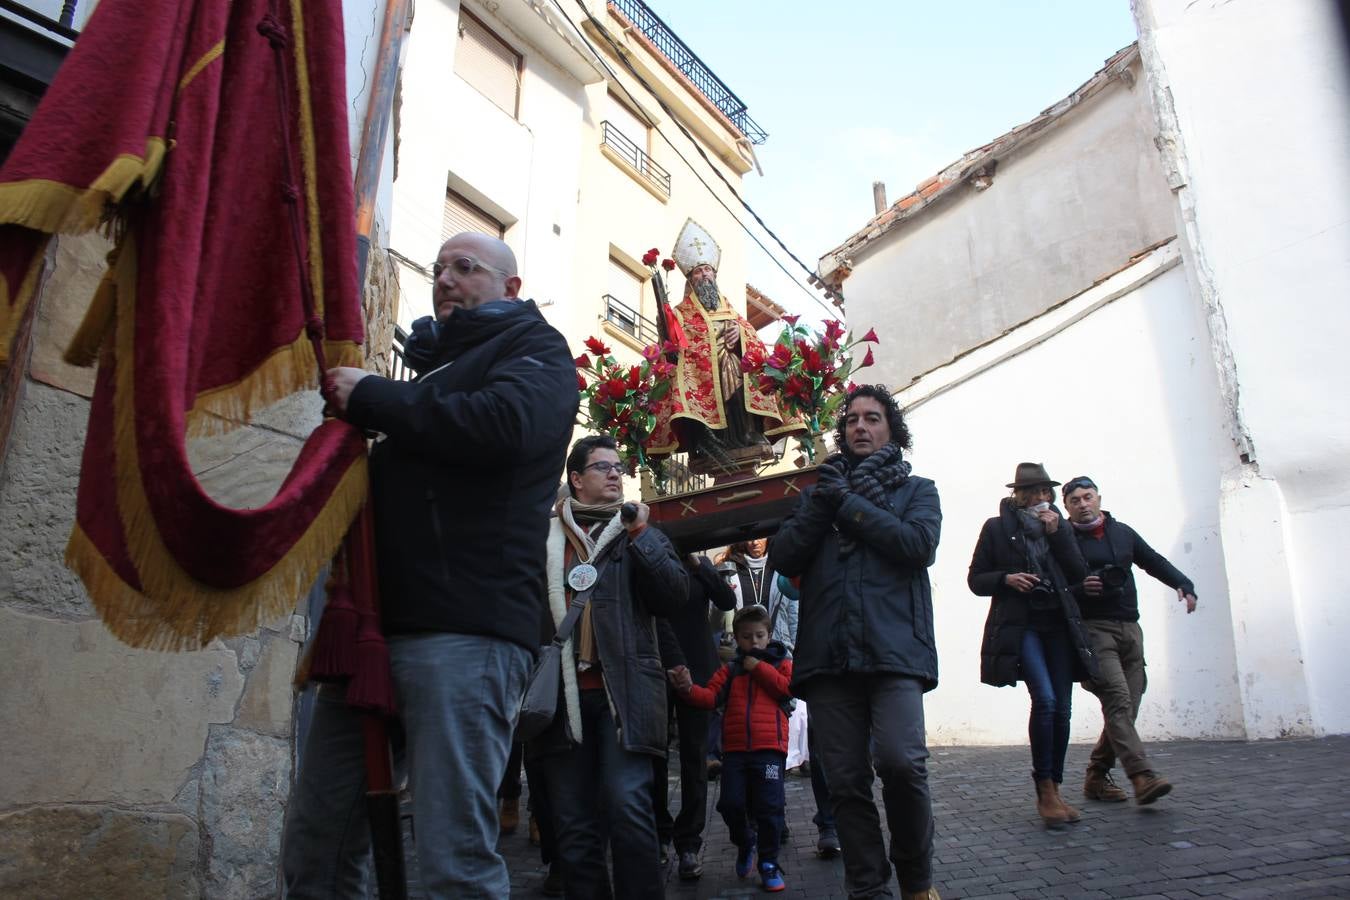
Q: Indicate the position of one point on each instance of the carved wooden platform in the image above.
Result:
(726, 513)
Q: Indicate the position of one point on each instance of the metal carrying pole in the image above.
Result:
(381, 795)
(375, 129)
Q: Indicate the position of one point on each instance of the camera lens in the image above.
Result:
(1114, 577)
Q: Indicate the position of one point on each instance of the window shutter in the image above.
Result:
(461, 216)
(624, 286)
(489, 64)
(628, 123)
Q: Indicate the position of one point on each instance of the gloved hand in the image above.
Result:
(831, 486)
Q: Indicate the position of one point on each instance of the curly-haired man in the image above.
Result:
(862, 539)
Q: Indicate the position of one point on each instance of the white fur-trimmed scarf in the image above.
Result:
(557, 606)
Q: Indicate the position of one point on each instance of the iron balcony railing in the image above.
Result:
(693, 68)
(628, 319)
(635, 156)
(64, 26)
(398, 363)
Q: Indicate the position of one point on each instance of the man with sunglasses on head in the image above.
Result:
(462, 481)
(1109, 602)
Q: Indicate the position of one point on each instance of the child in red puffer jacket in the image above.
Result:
(753, 688)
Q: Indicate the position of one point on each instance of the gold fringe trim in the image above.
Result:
(787, 428)
(173, 610)
(288, 369)
(189, 615)
(53, 207)
(11, 311)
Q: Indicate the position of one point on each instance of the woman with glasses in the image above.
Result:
(1026, 560)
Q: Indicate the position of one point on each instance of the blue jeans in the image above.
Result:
(752, 787)
(458, 695)
(599, 790)
(1047, 667)
(872, 725)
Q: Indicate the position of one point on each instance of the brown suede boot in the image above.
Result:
(1048, 805)
(1099, 786)
(508, 813)
(1071, 814)
(1149, 787)
(930, 894)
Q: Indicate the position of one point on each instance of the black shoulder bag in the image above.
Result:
(539, 707)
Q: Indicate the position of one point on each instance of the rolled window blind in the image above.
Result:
(461, 216)
(488, 63)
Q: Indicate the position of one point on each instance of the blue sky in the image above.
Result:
(852, 93)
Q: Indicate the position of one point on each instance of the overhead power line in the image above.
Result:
(618, 52)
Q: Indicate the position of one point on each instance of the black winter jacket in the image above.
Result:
(644, 579)
(1123, 546)
(1001, 551)
(464, 479)
(872, 611)
(690, 623)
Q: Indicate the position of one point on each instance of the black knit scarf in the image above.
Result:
(871, 477)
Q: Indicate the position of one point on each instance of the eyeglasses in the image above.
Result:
(1074, 484)
(605, 467)
(463, 267)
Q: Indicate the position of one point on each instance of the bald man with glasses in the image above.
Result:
(462, 481)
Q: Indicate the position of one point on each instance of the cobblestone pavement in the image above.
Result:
(1245, 820)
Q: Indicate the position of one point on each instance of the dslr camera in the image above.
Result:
(1113, 577)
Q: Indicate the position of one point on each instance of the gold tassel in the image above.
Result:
(83, 348)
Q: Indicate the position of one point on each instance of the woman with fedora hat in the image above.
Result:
(1026, 560)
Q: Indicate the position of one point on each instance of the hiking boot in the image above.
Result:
(508, 814)
(1149, 787)
(827, 845)
(1099, 786)
(745, 861)
(690, 867)
(1048, 806)
(771, 877)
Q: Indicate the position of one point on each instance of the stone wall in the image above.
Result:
(131, 773)
(1062, 211)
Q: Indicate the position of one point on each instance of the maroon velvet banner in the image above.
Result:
(166, 122)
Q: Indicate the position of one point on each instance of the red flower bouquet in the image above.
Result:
(809, 370)
(619, 400)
